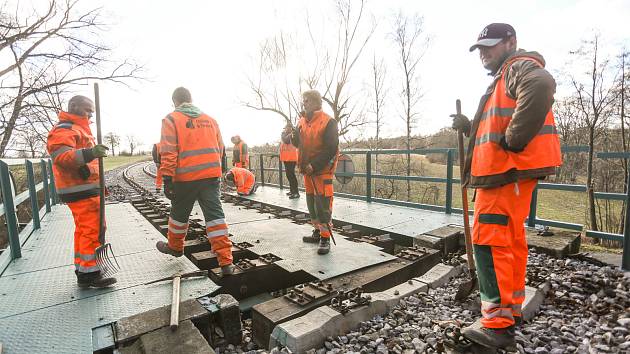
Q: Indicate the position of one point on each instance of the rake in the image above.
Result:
(105, 258)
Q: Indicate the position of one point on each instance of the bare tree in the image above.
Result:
(133, 142)
(379, 94)
(113, 141)
(51, 51)
(411, 43)
(594, 95)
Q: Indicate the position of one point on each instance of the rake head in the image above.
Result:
(106, 260)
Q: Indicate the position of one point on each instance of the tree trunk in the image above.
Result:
(589, 180)
(6, 137)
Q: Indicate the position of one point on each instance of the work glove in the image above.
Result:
(99, 150)
(308, 170)
(461, 122)
(84, 172)
(169, 191)
(505, 146)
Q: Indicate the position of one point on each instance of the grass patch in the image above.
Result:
(111, 162)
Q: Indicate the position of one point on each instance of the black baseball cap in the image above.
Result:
(492, 34)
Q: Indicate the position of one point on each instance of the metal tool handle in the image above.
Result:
(175, 304)
(101, 172)
(462, 162)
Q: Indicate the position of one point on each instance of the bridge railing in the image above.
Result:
(370, 176)
(10, 203)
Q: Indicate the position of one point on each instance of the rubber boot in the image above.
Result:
(163, 247)
(497, 338)
(294, 196)
(94, 280)
(324, 245)
(227, 270)
(314, 238)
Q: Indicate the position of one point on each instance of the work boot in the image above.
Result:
(294, 196)
(288, 193)
(498, 338)
(94, 280)
(314, 238)
(227, 270)
(163, 247)
(324, 245)
(158, 190)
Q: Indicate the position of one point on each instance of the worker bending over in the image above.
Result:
(244, 180)
(513, 144)
(317, 140)
(240, 155)
(190, 151)
(75, 167)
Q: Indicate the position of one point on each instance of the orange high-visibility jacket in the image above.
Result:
(190, 148)
(489, 158)
(243, 156)
(288, 152)
(312, 140)
(244, 179)
(74, 168)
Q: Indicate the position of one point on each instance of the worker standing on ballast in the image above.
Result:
(75, 167)
(190, 151)
(317, 140)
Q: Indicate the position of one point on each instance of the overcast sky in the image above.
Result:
(208, 47)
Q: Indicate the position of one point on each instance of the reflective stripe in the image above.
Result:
(78, 156)
(215, 222)
(498, 112)
(507, 313)
(85, 257)
(494, 219)
(60, 151)
(200, 167)
(168, 148)
(84, 269)
(177, 231)
(518, 293)
(177, 223)
(486, 306)
(168, 138)
(185, 154)
(496, 137)
(328, 181)
(78, 188)
(65, 125)
(217, 233)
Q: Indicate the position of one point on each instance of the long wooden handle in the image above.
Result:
(101, 170)
(175, 303)
(462, 162)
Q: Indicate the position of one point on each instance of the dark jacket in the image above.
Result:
(533, 88)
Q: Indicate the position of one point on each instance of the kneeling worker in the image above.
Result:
(190, 151)
(244, 180)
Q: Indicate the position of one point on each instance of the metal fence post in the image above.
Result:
(531, 221)
(32, 192)
(449, 181)
(262, 170)
(9, 211)
(625, 260)
(280, 173)
(45, 181)
(53, 188)
(368, 176)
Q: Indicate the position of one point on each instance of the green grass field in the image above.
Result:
(112, 162)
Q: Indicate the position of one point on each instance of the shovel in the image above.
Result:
(466, 287)
(105, 258)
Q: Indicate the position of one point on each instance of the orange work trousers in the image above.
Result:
(158, 177)
(500, 249)
(85, 213)
(319, 200)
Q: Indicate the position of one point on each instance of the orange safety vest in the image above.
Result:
(240, 163)
(244, 179)
(489, 158)
(190, 148)
(312, 140)
(288, 152)
(66, 141)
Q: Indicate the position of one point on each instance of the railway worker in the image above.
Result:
(243, 179)
(317, 140)
(75, 167)
(513, 144)
(190, 152)
(289, 157)
(240, 155)
(155, 153)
